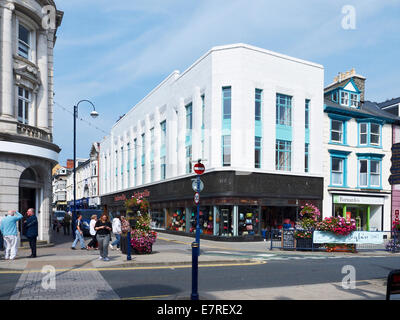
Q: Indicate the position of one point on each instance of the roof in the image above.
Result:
(388, 103)
(367, 109)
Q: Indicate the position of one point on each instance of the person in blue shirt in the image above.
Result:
(9, 230)
(31, 230)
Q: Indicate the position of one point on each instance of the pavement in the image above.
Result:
(175, 251)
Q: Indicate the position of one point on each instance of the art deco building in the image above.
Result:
(27, 152)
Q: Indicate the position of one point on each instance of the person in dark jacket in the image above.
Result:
(31, 230)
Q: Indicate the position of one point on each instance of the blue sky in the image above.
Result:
(115, 52)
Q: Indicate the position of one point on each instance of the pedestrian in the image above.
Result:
(79, 234)
(103, 228)
(67, 224)
(116, 228)
(1, 237)
(93, 243)
(31, 230)
(125, 226)
(10, 233)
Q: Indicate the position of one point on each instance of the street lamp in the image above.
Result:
(94, 114)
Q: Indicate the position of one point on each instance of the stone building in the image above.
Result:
(27, 152)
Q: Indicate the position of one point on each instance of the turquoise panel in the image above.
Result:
(283, 132)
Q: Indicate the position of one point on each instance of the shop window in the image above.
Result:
(248, 221)
(224, 221)
(177, 220)
(158, 219)
(206, 222)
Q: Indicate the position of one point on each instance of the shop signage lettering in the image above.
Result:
(144, 194)
(356, 237)
(358, 200)
(121, 197)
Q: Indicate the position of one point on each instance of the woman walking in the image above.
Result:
(103, 228)
(93, 243)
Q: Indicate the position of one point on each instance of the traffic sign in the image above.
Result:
(196, 198)
(194, 185)
(199, 168)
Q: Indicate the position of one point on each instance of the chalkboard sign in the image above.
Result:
(287, 239)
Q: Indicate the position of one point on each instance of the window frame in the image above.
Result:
(26, 104)
(283, 147)
(286, 106)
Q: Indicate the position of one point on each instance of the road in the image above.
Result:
(269, 275)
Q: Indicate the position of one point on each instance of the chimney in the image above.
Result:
(70, 164)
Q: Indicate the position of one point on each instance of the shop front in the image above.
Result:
(232, 207)
(368, 212)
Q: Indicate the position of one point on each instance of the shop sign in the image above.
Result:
(358, 200)
(395, 168)
(356, 237)
(143, 194)
(121, 197)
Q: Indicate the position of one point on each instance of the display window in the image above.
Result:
(224, 219)
(205, 220)
(177, 219)
(158, 219)
(248, 223)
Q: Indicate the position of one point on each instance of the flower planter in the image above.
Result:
(342, 248)
(143, 249)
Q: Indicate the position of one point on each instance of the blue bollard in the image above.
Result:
(195, 271)
(128, 248)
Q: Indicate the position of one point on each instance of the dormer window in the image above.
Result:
(335, 96)
(24, 41)
(354, 100)
(344, 98)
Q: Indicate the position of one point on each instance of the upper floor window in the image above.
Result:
(369, 134)
(226, 97)
(337, 131)
(307, 113)
(353, 100)
(163, 126)
(24, 101)
(369, 172)
(344, 98)
(24, 41)
(283, 110)
(337, 171)
(283, 155)
(189, 117)
(258, 101)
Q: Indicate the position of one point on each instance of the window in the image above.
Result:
(258, 101)
(344, 98)
(335, 96)
(203, 107)
(257, 153)
(24, 101)
(163, 126)
(152, 171)
(375, 133)
(226, 102)
(24, 40)
(306, 160)
(283, 150)
(369, 134)
(353, 100)
(128, 164)
(189, 118)
(375, 175)
(337, 171)
(163, 168)
(337, 131)
(369, 172)
(283, 110)
(363, 133)
(188, 159)
(363, 177)
(307, 114)
(226, 151)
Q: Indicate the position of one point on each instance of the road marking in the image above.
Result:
(147, 297)
(141, 268)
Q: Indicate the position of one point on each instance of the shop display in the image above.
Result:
(248, 221)
(226, 223)
(205, 220)
(178, 222)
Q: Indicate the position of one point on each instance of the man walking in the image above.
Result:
(9, 230)
(79, 234)
(116, 228)
(31, 230)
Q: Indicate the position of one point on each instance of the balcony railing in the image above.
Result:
(33, 132)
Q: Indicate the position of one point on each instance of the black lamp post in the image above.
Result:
(94, 114)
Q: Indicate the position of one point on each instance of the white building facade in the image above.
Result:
(250, 113)
(357, 155)
(27, 152)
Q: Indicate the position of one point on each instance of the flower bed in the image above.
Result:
(142, 242)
